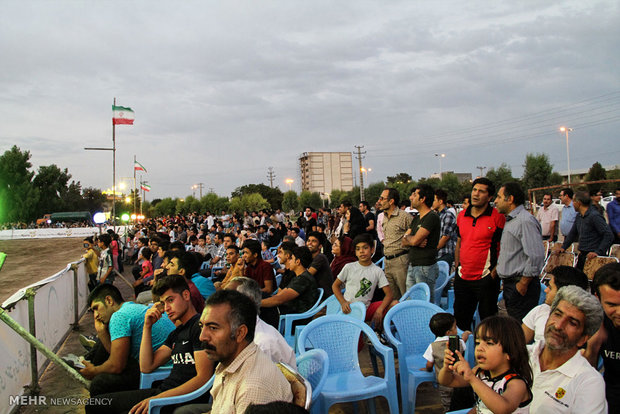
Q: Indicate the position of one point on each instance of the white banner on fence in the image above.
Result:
(55, 233)
(54, 314)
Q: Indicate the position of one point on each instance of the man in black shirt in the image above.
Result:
(191, 367)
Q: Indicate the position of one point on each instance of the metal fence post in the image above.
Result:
(34, 371)
(76, 311)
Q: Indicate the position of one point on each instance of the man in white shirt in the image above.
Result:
(548, 217)
(564, 381)
(534, 322)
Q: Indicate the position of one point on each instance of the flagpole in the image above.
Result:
(114, 171)
(135, 192)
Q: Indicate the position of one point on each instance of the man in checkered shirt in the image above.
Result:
(447, 240)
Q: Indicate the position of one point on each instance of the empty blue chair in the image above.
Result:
(338, 335)
(419, 291)
(406, 327)
(313, 365)
(285, 325)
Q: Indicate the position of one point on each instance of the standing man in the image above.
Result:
(422, 238)
(606, 342)
(564, 381)
(245, 374)
(479, 230)
(369, 217)
(522, 255)
(613, 213)
(548, 218)
(590, 230)
(342, 211)
(309, 222)
(568, 211)
(447, 239)
(395, 224)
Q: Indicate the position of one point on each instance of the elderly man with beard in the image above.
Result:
(564, 381)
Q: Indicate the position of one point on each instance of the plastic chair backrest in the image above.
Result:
(410, 319)
(381, 263)
(442, 280)
(278, 279)
(300, 386)
(419, 291)
(314, 365)
(338, 335)
(593, 264)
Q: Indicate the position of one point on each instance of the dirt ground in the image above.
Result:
(30, 260)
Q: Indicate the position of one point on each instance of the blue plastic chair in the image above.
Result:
(147, 379)
(285, 325)
(313, 365)
(339, 335)
(419, 291)
(278, 279)
(406, 327)
(442, 280)
(543, 295)
(381, 263)
(155, 405)
(332, 307)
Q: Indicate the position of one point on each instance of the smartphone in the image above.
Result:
(453, 345)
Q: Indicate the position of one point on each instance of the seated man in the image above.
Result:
(256, 268)
(191, 368)
(534, 322)
(237, 266)
(181, 264)
(268, 339)
(564, 381)
(606, 342)
(245, 374)
(301, 293)
(114, 361)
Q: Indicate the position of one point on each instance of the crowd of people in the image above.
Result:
(220, 284)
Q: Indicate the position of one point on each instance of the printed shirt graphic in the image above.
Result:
(361, 281)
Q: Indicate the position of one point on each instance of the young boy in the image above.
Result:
(442, 326)
(360, 279)
(91, 262)
(146, 274)
(105, 271)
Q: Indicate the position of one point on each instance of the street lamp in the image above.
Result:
(565, 130)
(440, 156)
(290, 182)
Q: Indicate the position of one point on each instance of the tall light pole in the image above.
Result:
(565, 130)
(440, 156)
(290, 182)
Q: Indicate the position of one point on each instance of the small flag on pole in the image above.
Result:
(122, 115)
(145, 187)
(138, 167)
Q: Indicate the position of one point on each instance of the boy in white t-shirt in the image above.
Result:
(360, 280)
(534, 322)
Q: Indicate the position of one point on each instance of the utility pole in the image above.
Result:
(359, 158)
(271, 176)
(481, 170)
(200, 186)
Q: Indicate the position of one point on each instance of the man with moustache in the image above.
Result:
(564, 381)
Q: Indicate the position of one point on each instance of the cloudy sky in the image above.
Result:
(224, 89)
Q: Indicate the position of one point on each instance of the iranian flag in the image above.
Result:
(122, 115)
(145, 187)
(138, 167)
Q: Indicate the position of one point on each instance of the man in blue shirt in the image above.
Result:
(113, 363)
(613, 212)
(568, 211)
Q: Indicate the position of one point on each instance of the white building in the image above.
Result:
(323, 172)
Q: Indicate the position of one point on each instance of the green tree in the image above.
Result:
(353, 196)
(94, 199)
(18, 197)
(213, 203)
(290, 201)
(451, 185)
(337, 197)
(399, 178)
(273, 195)
(373, 192)
(596, 172)
(166, 207)
(249, 202)
(308, 199)
(501, 175)
(51, 182)
(537, 171)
